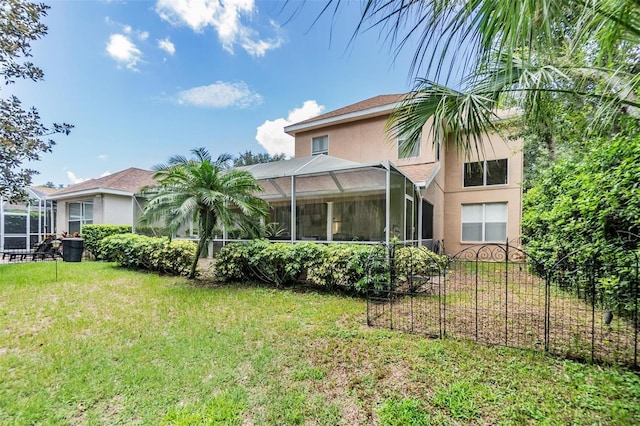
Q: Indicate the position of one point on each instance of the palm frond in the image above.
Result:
(464, 119)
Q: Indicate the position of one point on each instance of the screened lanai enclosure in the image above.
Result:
(23, 225)
(327, 199)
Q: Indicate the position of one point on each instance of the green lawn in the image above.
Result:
(109, 346)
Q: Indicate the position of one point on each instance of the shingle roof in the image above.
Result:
(129, 180)
(374, 104)
(41, 191)
(420, 173)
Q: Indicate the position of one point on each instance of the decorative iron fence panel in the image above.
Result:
(582, 307)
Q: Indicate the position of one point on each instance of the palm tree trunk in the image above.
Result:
(194, 265)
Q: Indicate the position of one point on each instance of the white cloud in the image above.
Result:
(271, 136)
(225, 16)
(74, 179)
(143, 35)
(220, 95)
(123, 51)
(167, 46)
(103, 157)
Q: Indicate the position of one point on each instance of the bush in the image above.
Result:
(153, 231)
(351, 267)
(153, 254)
(93, 234)
(277, 264)
(417, 261)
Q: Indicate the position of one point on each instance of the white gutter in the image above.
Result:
(342, 117)
(86, 192)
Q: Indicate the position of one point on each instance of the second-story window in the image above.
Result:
(320, 145)
(407, 150)
(484, 173)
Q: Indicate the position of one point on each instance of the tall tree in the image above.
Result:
(203, 191)
(514, 53)
(248, 158)
(23, 137)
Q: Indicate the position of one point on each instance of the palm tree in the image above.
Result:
(520, 53)
(205, 192)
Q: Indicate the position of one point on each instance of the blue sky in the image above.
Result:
(145, 80)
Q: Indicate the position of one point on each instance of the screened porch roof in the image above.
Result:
(320, 175)
(300, 166)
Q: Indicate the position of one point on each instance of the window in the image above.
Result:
(80, 214)
(484, 173)
(406, 150)
(320, 145)
(484, 222)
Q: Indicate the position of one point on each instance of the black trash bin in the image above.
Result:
(72, 249)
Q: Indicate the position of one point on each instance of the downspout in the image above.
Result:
(1, 224)
(133, 214)
(419, 218)
(293, 208)
(387, 204)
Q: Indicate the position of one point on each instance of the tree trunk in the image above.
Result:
(194, 265)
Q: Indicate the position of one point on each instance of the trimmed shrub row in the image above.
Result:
(154, 254)
(93, 234)
(351, 268)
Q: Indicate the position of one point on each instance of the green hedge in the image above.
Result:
(93, 234)
(277, 264)
(351, 268)
(153, 254)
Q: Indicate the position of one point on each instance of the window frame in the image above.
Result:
(322, 151)
(485, 169)
(82, 218)
(412, 154)
(484, 221)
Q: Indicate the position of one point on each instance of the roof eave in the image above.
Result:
(88, 192)
(342, 118)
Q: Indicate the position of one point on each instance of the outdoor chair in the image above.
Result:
(16, 254)
(46, 249)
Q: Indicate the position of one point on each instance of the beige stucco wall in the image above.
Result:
(118, 210)
(456, 194)
(364, 141)
(107, 209)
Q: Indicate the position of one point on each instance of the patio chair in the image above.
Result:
(46, 249)
(16, 254)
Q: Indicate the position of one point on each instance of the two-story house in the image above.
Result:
(350, 182)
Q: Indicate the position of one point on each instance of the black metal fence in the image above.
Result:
(584, 306)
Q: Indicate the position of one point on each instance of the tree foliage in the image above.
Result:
(248, 158)
(590, 201)
(205, 192)
(23, 137)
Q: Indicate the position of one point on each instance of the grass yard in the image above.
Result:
(104, 345)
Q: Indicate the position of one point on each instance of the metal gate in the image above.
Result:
(582, 306)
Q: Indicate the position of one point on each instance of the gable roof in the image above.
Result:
(41, 191)
(299, 166)
(125, 182)
(372, 107)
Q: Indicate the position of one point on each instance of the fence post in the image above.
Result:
(443, 277)
(547, 308)
(592, 284)
(635, 314)
(506, 296)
